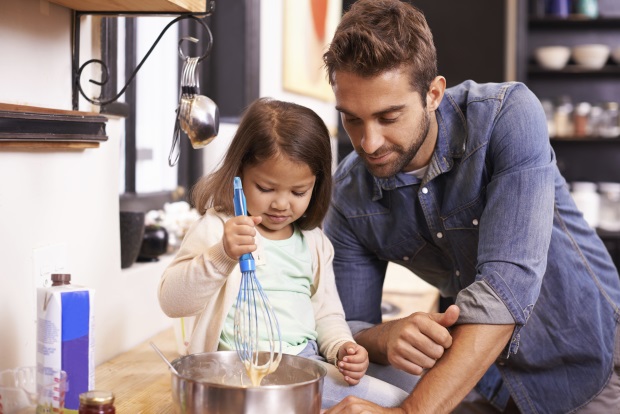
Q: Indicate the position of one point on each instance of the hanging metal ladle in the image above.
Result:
(197, 115)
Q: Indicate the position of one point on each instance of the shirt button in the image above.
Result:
(406, 258)
(475, 222)
(439, 235)
(458, 273)
(425, 190)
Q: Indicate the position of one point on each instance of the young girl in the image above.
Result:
(282, 153)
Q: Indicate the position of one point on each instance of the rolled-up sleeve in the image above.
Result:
(478, 303)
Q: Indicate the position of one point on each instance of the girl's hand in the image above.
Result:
(239, 233)
(352, 362)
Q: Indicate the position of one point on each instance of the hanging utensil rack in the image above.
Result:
(77, 69)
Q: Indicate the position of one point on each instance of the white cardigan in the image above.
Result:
(203, 281)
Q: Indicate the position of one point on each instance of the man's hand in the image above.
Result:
(417, 341)
(411, 344)
(354, 405)
(352, 362)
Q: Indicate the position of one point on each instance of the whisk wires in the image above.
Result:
(253, 312)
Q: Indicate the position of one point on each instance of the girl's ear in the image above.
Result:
(435, 93)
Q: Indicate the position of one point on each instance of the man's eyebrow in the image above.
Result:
(393, 108)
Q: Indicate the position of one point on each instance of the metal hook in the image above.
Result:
(98, 101)
(181, 40)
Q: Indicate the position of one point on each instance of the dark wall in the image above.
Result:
(469, 37)
(231, 73)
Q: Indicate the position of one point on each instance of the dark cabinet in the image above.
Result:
(592, 158)
(582, 85)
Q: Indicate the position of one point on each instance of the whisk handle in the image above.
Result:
(239, 198)
(246, 261)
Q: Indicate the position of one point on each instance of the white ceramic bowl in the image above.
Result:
(592, 56)
(615, 54)
(552, 57)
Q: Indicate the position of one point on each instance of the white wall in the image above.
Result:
(271, 39)
(61, 197)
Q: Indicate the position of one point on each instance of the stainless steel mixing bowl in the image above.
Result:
(216, 383)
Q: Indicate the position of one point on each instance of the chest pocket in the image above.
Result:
(462, 226)
(466, 216)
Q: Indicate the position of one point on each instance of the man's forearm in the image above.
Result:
(474, 348)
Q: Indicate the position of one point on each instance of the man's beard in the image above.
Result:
(404, 155)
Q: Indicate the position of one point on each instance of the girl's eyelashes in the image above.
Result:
(295, 193)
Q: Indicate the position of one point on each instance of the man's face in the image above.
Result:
(384, 117)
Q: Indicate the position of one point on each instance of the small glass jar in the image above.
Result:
(610, 120)
(587, 200)
(97, 402)
(558, 8)
(587, 8)
(609, 215)
(596, 120)
(581, 119)
(562, 121)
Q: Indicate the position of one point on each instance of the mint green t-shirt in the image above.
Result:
(284, 269)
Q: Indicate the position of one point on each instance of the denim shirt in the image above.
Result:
(491, 224)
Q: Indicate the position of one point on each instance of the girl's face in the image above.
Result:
(278, 190)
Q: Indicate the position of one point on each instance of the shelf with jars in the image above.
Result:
(580, 98)
(584, 122)
(561, 27)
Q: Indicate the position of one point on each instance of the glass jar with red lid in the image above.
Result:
(97, 402)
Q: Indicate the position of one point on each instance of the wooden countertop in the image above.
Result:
(141, 381)
(139, 378)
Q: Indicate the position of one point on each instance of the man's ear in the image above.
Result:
(435, 93)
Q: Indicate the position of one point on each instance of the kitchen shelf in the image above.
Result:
(574, 23)
(607, 234)
(28, 127)
(136, 6)
(571, 71)
(585, 141)
(594, 159)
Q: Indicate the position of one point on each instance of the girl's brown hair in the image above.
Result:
(270, 128)
(376, 36)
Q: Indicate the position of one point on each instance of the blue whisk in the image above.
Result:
(254, 315)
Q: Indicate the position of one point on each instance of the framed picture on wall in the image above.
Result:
(308, 28)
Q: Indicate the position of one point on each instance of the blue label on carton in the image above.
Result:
(65, 340)
(75, 343)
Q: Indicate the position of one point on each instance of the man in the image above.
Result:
(461, 187)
